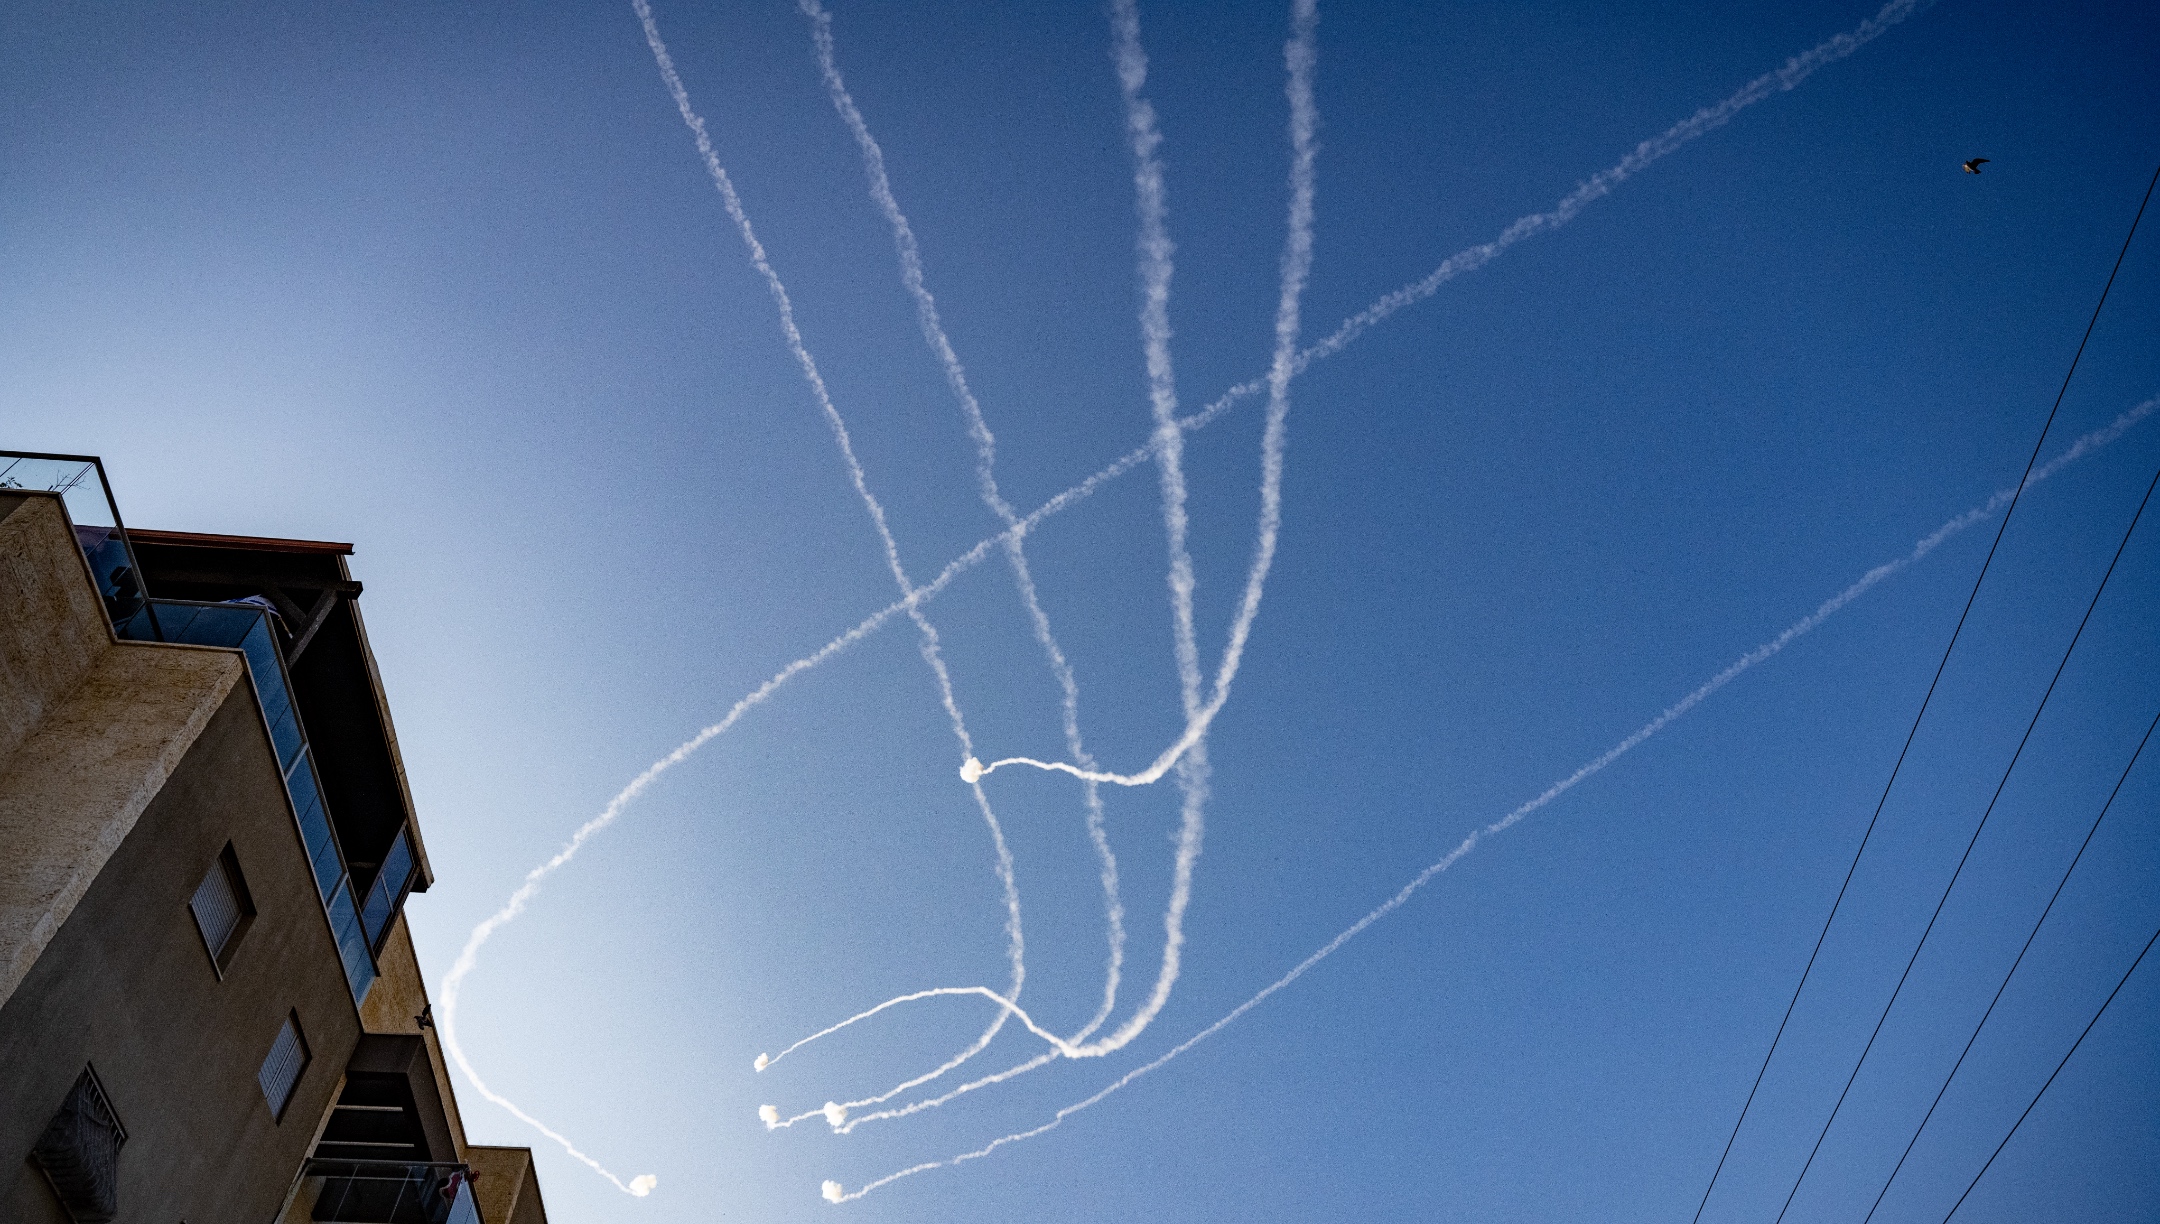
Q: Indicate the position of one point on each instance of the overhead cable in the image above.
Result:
(2012, 972)
(2052, 1074)
(1970, 842)
(1914, 731)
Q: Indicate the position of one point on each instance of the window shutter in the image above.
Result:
(280, 1072)
(216, 906)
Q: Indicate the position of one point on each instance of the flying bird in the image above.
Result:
(1973, 166)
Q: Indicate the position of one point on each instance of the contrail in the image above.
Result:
(1702, 122)
(1155, 269)
(1015, 944)
(933, 330)
(1300, 57)
(1795, 71)
(1829, 607)
(454, 981)
(910, 598)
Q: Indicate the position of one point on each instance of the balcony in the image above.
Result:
(80, 482)
(359, 927)
(361, 899)
(372, 1192)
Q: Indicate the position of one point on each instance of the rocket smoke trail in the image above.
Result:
(1790, 76)
(1300, 57)
(933, 330)
(1015, 945)
(2078, 449)
(1806, 624)
(909, 596)
(1702, 122)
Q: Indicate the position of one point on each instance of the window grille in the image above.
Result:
(280, 1073)
(221, 907)
(80, 1152)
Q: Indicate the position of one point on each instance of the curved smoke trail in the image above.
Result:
(933, 330)
(1928, 543)
(1795, 71)
(1701, 123)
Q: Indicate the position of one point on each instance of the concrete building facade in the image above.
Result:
(210, 1005)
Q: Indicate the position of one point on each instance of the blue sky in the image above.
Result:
(453, 284)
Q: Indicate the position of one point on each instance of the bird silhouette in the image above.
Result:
(1973, 166)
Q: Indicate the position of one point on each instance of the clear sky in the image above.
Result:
(452, 283)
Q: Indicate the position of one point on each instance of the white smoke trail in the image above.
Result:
(1926, 544)
(2078, 449)
(765, 1061)
(933, 330)
(454, 982)
(1795, 71)
(1155, 269)
(910, 598)
(1015, 944)
(1155, 273)
(1300, 57)
(1702, 122)
(1151, 203)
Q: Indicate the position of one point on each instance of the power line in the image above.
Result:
(1974, 840)
(2052, 1074)
(1925, 701)
(2005, 985)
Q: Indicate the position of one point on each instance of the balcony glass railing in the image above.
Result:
(80, 482)
(388, 891)
(246, 627)
(367, 1192)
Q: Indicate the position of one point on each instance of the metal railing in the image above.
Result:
(80, 482)
(359, 924)
(371, 1192)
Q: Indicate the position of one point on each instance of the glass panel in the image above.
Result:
(315, 827)
(389, 888)
(398, 864)
(375, 915)
(75, 480)
(372, 1192)
(108, 557)
(352, 942)
(462, 1209)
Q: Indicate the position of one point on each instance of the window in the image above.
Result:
(280, 1072)
(80, 1151)
(222, 908)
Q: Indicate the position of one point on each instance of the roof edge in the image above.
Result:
(197, 539)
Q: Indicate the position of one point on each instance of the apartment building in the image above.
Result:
(210, 1006)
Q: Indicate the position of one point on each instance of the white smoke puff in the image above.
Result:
(971, 771)
(769, 1115)
(833, 1191)
(763, 1061)
(835, 1113)
(643, 1184)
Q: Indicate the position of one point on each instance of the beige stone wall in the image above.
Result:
(90, 728)
(508, 1189)
(394, 1006)
(51, 627)
(127, 986)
